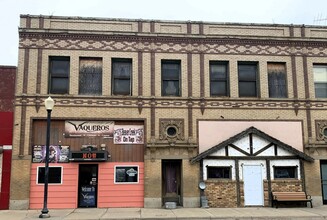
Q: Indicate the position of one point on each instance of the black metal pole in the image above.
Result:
(45, 211)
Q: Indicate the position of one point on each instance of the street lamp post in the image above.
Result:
(49, 103)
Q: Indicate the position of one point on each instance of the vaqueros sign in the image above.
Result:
(89, 128)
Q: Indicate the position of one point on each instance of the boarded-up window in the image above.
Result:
(121, 76)
(218, 78)
(277, 80)
(90, 76)
(320, 79)
(170, 74)
(247, 79)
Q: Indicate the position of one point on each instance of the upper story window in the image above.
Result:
(219, 78)
(320, 80)
(171, 77)
(277, 80)
(247, 79)
(59, 75)
(121, 76)
(90, 76)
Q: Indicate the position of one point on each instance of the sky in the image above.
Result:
(307, 12)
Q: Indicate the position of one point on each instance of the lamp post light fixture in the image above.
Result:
(49, 103)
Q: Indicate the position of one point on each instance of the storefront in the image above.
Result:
(92, 164)
(245, 168)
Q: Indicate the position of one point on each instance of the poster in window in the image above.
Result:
(120, 175)
(126, 174)
(128, 134)
(57, 154)
(87, 196)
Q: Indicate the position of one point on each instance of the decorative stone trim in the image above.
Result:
(321, 130)
(166, 44)
(171, 130)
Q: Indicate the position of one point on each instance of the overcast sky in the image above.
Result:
(308, 12)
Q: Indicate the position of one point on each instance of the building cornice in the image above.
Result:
(176, 44)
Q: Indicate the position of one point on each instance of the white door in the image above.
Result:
(253, 185)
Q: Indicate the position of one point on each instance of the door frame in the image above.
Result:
(245, 180)
(95, 186)
(178, 165)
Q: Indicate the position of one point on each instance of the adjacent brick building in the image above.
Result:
(7, 94)
(174, 104)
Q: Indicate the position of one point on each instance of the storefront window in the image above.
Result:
(55, 175)
(126, 174)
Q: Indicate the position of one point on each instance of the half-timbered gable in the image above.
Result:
(244, 169)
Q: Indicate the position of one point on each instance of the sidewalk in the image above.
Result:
(179, 213)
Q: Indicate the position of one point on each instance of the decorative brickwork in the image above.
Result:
(176, 45)
(321, 127)
(176, 125)
(180, 103)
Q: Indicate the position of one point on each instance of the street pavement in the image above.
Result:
(178, 213)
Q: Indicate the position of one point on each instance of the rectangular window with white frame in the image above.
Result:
(219, 172)
(285, 172)
(54, 175)
(121, 76)
(128, 174)
(320, 80)
(219, 85)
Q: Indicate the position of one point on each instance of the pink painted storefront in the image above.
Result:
(104, 174)
(109, 193)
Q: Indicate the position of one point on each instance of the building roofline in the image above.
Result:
(7, 67)
(168, 21)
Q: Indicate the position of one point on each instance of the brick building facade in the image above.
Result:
(7, 94)
(188, 86)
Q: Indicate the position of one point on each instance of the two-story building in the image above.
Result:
(146, 110)
(7, 94)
